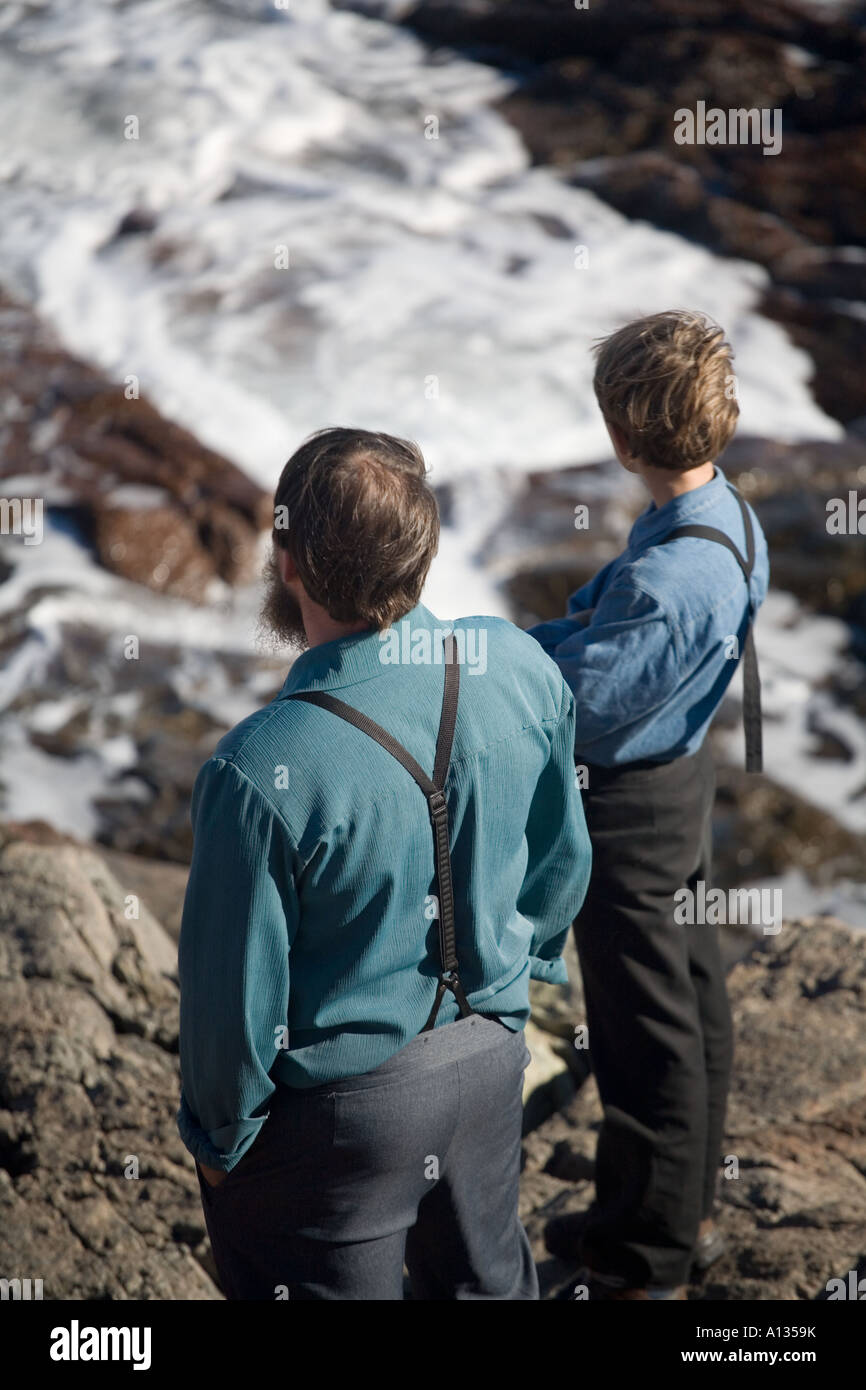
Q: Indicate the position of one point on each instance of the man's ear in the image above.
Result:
(285, 564)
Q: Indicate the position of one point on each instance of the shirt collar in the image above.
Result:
(680, 511)
(349, 660)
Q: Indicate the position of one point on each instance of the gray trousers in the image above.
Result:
(416, 1161)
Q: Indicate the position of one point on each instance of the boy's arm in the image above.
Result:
(626, 663)
(558, 864)
(580, 606)
(239, 918)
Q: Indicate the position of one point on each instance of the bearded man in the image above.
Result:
(384, 856)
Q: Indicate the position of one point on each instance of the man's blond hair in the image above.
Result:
(667, 380)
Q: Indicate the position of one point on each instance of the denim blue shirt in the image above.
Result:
(309, 940)
(650, 644)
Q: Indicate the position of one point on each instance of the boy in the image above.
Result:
(649, 647)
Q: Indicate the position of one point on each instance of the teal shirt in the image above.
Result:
(309, 945)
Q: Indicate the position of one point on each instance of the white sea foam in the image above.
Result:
(431, 291)
(415, 265)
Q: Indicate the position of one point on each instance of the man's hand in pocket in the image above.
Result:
(213, 1176)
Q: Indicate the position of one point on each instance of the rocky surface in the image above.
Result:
(597, 92)
(89, 1088)
(794, 1208)
(154, 504)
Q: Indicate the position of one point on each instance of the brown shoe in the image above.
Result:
(709, 1246)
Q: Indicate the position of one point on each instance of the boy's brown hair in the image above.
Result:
(362, 523)
(667, 380)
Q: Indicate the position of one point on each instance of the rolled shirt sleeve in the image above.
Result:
(560, 857)
(239, 918)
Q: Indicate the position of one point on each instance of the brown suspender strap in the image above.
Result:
(751, 678)
(434, 790)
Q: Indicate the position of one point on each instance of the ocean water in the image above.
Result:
(338, 228)
(431, 285)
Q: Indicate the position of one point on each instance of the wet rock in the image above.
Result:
(543, 550)
(760, 829)
(835, 340)
(540, 556)
(130, 717)
(547, 29)
(154, 504)
(596, 96)
(796, 491)
(157, 509)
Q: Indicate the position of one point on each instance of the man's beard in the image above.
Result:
(280, 622)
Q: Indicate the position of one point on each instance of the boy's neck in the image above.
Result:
(665, 485)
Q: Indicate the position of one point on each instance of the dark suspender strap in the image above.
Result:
(373, 730)
(448, 717)
(433, 790)
(709, 533)
(751, 678)
(747, 528)
(752, 706)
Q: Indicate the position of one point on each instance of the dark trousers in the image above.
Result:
(659, 1022)
(418, 1160)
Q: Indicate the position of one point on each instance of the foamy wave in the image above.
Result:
(431, 288)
